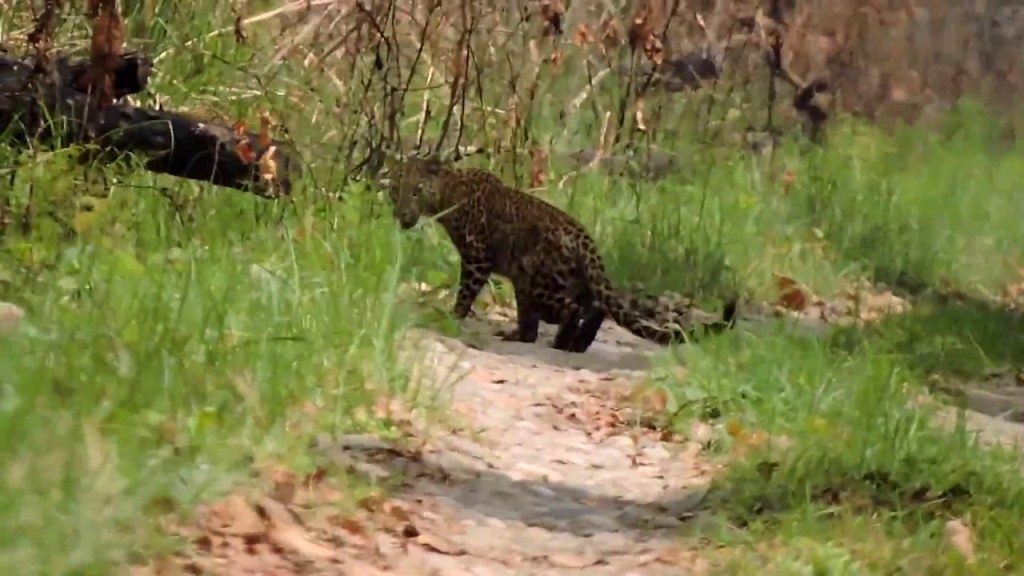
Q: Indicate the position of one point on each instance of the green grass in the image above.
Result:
(862, 462)
(162, 358)
(178, 336)
(867, 481)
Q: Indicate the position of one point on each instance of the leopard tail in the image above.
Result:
(642, 317)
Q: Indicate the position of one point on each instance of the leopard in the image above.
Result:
(554, 265)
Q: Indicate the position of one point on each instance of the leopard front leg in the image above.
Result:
(568, 326)
(472, 277)
(588, 329)
(527, 316)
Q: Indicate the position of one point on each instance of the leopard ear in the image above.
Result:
(432, 165)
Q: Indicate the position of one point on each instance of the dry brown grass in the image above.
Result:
(884, 59)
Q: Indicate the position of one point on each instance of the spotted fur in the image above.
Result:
(553, 264)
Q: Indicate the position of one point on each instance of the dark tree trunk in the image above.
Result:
(42, 107)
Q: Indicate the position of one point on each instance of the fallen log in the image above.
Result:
(49, 108)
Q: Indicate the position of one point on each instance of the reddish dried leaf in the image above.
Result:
(245, 151)
(745, 440)
(539, 168)
(791, 295)
(552, 12)
(283, 531)
(556, 58)
(794, 299)
(266, 122)
(352, 526)
(320, 473)
(233, 516)
(611, 34)
(243, 148)
(371, 502)
(640, 29)
(788, 179)
(653, 50)
(583, 35)
(734, 428)
(1013, 293)
(396, 511)
(106, 48)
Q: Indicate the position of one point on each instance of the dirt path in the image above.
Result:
(542, 474)
(547, 477)
(541, 469)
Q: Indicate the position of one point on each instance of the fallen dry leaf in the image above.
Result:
(691, 559)
(567, 560)
(875, 306)
(583, 35)
(356, 533)
(266, 122)
(538, 167)
(397, 519)
(654, 50)
(746, 440)
(284, 485)
(268, 167)
(439, 544)
(734, 428)
(284, 531)
(788, 179)
(556, 58)
(792, 296)
(232, 516)
(396, 510)
(552, 12)
(243, 148)
(1013, 293)
(641, 125)
(611, 34)
(641, 28)
(960, 537)
(653, 399)
(371, 502)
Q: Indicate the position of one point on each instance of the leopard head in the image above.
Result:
(414, 189)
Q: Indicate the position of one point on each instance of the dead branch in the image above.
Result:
(50, 112)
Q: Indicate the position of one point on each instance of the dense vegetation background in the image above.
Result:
(179, 338)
